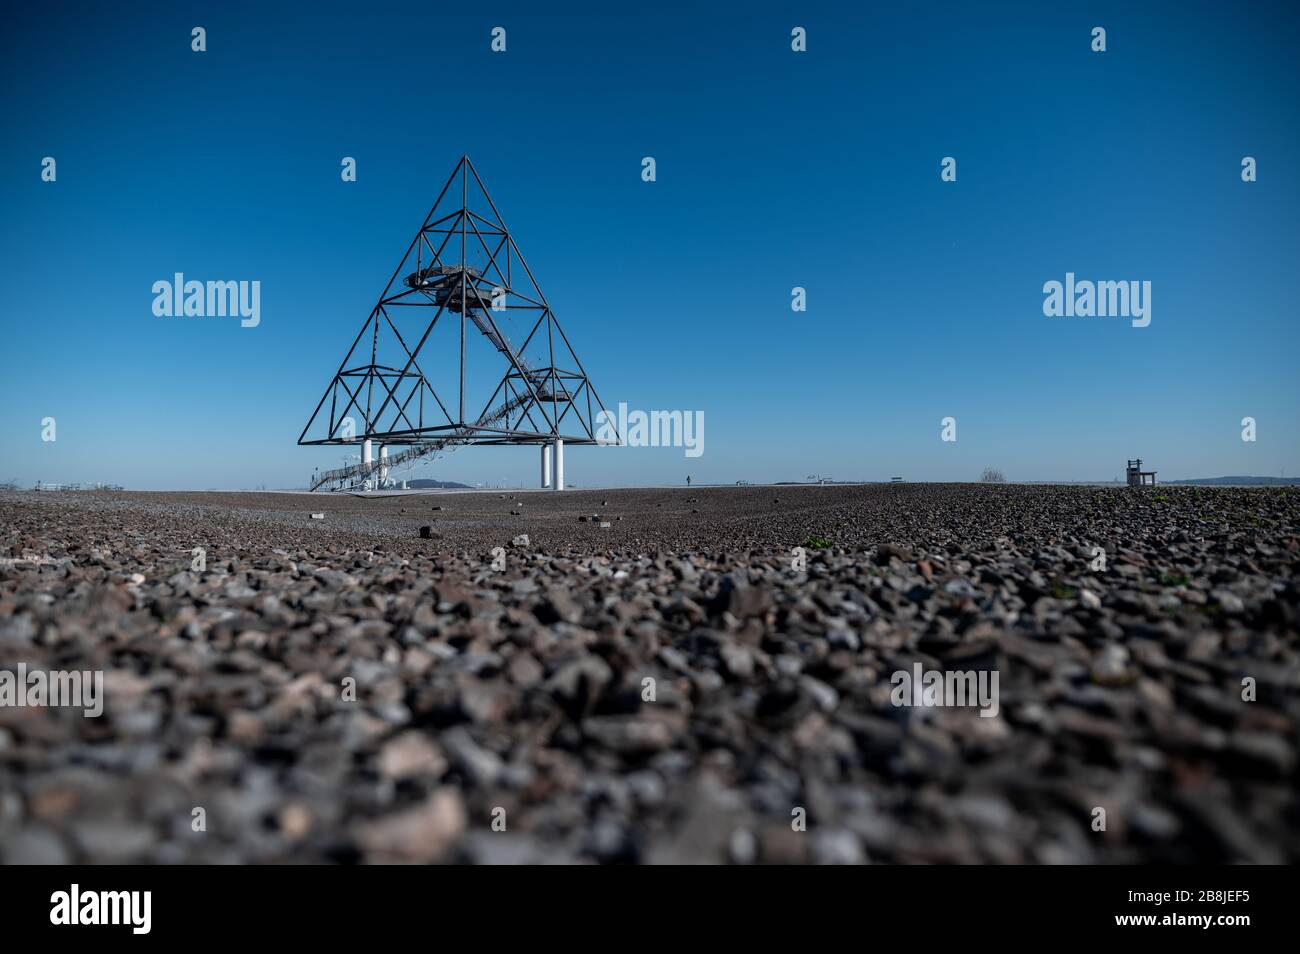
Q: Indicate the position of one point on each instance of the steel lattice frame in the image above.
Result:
(526, 393)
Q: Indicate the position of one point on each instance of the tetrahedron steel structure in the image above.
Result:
(453, 304)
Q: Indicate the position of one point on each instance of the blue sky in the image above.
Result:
(775, 169)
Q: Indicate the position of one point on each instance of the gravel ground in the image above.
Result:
(346, 690)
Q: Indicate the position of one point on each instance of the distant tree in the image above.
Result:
(992, 475)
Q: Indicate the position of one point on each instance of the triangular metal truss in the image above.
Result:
(463, 266)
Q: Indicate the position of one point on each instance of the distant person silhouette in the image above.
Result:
(688, 480)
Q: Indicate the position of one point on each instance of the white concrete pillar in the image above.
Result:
(383, 465)
(559, 463)
(546, 466)
(367, 457)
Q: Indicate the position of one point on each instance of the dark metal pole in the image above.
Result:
(464, 203)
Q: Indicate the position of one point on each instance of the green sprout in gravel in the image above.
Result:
(817, 543)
